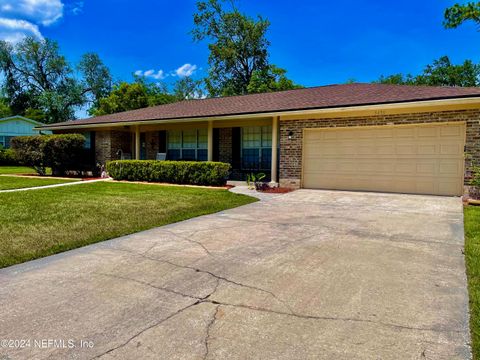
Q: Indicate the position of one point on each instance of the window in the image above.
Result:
(88, 140)
(256, 147)
(187, 144)
(5, 141)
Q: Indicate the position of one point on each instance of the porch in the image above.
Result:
(248, 145)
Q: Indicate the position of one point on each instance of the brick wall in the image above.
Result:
(152, 144)
(225, 145)
(291, 149)
(107, 143)
(103, 147)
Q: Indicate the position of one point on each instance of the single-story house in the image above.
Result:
(372, 137)
(17, 126)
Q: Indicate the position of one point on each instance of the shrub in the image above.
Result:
(60, 152)
(7, 157)
(174, 172)
(475, 176)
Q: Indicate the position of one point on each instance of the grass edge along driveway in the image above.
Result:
(48, 221)
(472, 259)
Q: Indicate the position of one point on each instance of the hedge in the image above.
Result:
(7, 157)
(60, 152)
(174, 172)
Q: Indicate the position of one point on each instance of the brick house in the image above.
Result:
(372, 137)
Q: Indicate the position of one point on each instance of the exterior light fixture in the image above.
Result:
(290, 135)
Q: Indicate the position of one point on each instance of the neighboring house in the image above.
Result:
(17, 126)
(373, 137)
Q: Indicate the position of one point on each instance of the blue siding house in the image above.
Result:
(17, 126)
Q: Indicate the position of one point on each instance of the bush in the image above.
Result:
(7, 157)
(475, 176)
(174, 172)
(60, 152)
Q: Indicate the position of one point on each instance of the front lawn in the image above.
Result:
(472, 258)
(20, 170)
(48, 221)
(18, 182)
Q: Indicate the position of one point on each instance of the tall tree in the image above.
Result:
(97, 81)
(271, 79)
(440, 73)
(187, 88)
(130, 96)
(238, 47)
(459, 13)
(37, 76)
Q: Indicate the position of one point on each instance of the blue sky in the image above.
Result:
(318, 42)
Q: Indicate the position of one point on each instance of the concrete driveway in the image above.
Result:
(306, 275)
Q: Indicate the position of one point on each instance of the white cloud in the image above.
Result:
(21, 18)
(157, 75)
(186, 70)
(44, 12)
(75, 8)
(13, 30)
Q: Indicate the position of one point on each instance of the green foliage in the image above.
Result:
(440, 73)
(96, 77)
(238, 50)
(459, 13)
(5, 110)
(396, 79)
(186, 88)
(174, 172)
(271, 79)
(130, 96)
(7, 157)
(475, 177)
(60, 152)
(36, 76)
(253, 179)
(35, 114)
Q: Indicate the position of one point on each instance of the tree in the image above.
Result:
(396, 79)
(97, 81)
(440, 73)
(36, 76)
(459, 13)
(187, 88)
(443, 73)
(5, 110)
(130, 96)
(271, 79)
(238, 47)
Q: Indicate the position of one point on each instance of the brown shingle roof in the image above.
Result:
(300, 99)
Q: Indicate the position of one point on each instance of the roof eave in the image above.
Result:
(467, 100)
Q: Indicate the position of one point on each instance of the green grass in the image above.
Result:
(17, 182)
(48, 221)
(21, 170)
(472, 258)
(17, 170)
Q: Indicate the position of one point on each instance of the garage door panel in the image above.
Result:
(451, 149)
(423, 159)
(427, 132)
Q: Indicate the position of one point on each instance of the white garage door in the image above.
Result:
(419, 159)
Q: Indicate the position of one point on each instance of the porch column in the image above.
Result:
(210, 140)
(274, 150)
(137, 143)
